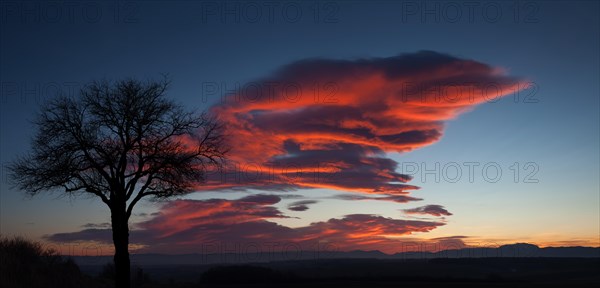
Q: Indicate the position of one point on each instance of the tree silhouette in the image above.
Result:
(120, 141)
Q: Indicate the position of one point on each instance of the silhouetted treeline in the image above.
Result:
(25, 263)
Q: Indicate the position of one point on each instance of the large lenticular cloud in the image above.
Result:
(323, 123)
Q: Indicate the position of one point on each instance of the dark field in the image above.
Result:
(482, 272)
(28, 264)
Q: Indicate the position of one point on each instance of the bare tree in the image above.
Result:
(120, 141)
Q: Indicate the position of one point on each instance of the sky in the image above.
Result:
(357, 125)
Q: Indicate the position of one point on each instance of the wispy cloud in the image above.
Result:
(301, 205)
(96, 225)
(184, 225)
(434, 210)
(392, 198)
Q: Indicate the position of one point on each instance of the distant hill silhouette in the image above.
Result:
(518, 250)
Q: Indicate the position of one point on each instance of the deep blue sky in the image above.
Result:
(554, 44)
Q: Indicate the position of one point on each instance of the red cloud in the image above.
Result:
(324, 123)
(183, 226)
(178, 216)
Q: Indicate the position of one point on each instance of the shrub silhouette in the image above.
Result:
(25, 263)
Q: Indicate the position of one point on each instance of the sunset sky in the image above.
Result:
(358, 126)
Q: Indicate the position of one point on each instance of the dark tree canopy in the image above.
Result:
(121, 140)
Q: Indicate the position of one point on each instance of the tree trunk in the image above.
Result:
(120, 231)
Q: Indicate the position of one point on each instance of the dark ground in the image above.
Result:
(473, 272)
(26, 264)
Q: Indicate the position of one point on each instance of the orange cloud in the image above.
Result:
(183, 226)
(324, 123)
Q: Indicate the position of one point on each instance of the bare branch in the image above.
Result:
(120, 141)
